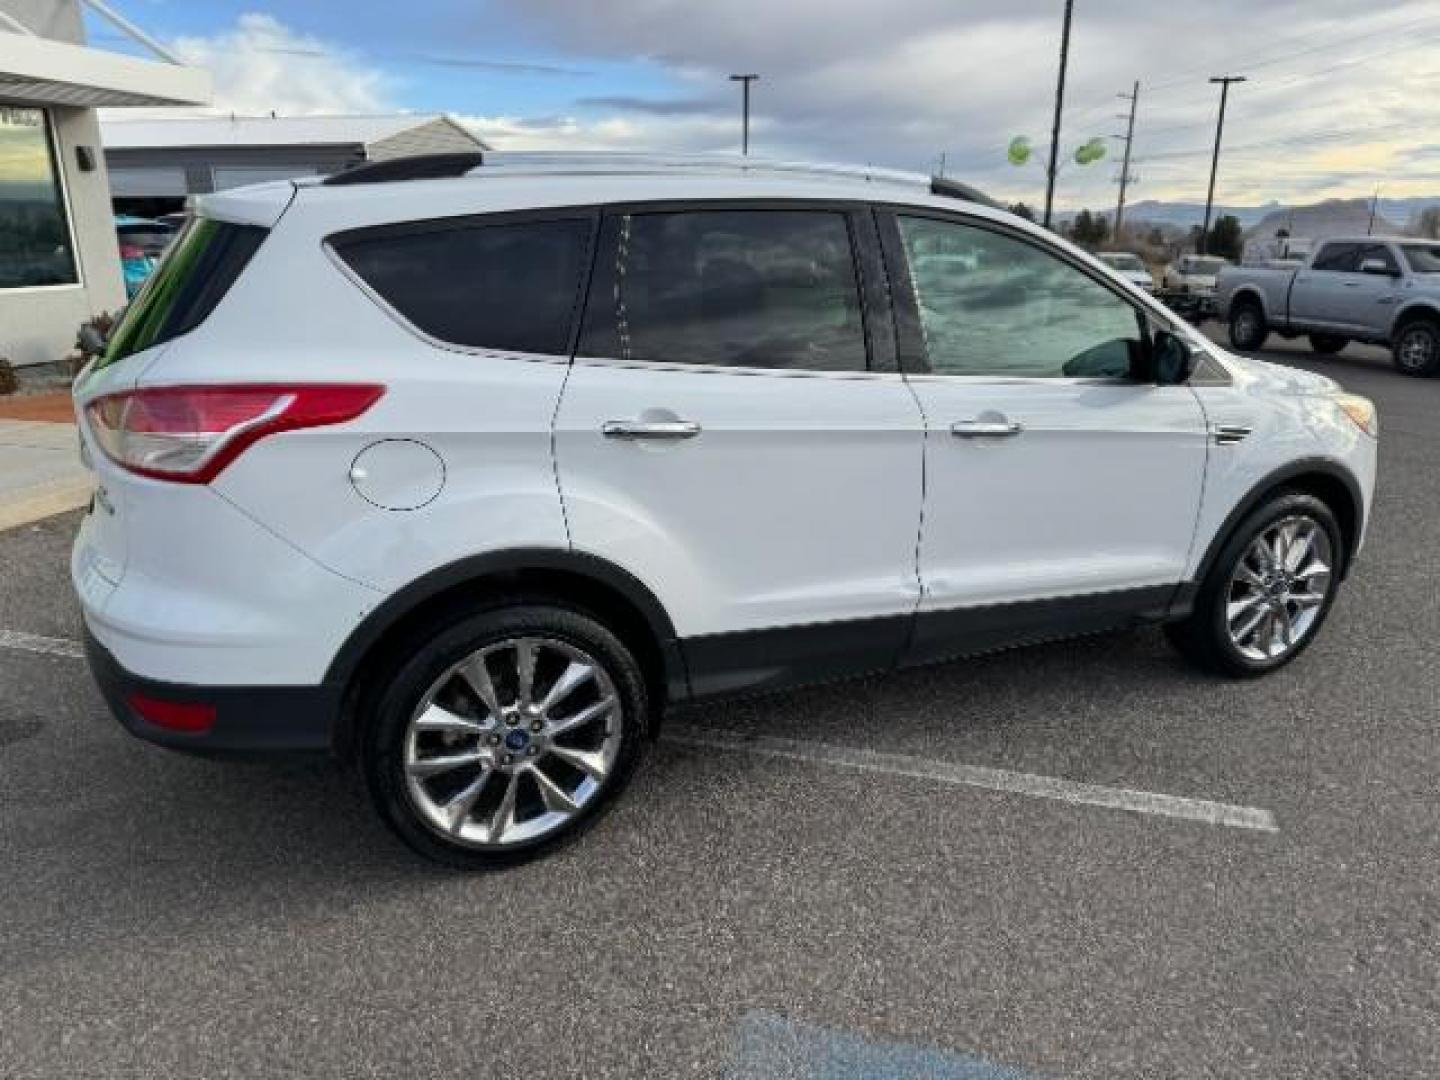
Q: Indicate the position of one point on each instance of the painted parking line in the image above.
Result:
(978, 776)
(871, 761)
(36, 643)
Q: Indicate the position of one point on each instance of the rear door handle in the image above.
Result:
(650, 429)
(974, 429)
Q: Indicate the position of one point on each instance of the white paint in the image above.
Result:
(1039, 787)
(36, 643)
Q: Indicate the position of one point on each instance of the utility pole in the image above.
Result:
(1224, 81)
(1134, 98)
(1374, 201)
(744, 81)
(1059, 108)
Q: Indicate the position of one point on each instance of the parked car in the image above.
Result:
(152, 237)
(465, 478)
(1130, 267)
(1379, 291)
(1193, 274)
(136, 267)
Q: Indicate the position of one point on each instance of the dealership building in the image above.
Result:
(59, 260)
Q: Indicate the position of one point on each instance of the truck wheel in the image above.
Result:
(1247, 326)
(1417, 348)
(1327, 344)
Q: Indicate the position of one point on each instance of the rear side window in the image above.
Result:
(729, 288)
(201, 265)
(511, 286)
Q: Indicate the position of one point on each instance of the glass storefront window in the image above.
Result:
(34, 236)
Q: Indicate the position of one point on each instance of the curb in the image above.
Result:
(44, 501)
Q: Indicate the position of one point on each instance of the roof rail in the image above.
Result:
(435, 166)
(418, 167)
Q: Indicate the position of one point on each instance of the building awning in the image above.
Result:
(40, 71)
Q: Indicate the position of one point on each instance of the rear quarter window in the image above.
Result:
(511, 286)
(201, 265)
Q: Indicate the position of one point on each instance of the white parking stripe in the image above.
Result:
(14, 639)
(844, 757)
(1040, 787)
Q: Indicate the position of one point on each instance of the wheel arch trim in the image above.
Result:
(1418, 308)
(1286, 475)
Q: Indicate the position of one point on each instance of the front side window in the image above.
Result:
(34, 235)
(1338, 258)
(994, 305)
(509, 286)
(731, 288)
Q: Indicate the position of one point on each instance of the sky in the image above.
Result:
(1340, 94)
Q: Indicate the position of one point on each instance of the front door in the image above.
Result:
(1062, 487)
(726, 437)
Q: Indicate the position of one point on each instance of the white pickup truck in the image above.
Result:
(1375, 290)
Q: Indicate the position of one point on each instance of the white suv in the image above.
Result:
(465, 470)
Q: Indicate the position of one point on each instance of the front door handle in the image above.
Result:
(975, 429)
(650, 429)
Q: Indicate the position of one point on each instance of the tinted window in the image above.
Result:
(1423, 258)
(1380, 252)
(511, 286)
(738, 288)
(34, 236)
(1340, 258)
(202, 264)
(993, 305)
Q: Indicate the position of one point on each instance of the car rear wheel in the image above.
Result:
(505, 735)
(1269, 591)
(1327, 344)
(1417, 348)
(1247, 326)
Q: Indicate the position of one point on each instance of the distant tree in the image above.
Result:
(1227, 238)
(1019, 209)
(1428, 223)
(1156, 237)
(1089, 230)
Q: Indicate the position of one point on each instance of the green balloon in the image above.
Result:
(1019, 150)
(1090, 152)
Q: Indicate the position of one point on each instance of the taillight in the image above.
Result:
(190, 433)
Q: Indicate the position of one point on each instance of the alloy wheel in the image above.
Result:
(512, 742)
(1279, 587)
(1416, 350)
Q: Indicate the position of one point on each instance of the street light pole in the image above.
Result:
(744, 81)
(1224, 81)
(1059, 108)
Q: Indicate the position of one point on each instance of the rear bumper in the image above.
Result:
(249, 720)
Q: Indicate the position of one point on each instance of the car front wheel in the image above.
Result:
(505, 735)
(1269, 591)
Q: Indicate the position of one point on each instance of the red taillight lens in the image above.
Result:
(190, 433)
(188, 718)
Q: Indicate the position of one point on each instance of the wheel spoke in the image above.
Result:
(583, 717)
(1301, 546)
(477, 677)
(438, 718)
(590, 762)
(525, 670)
(1243, 633)
(504, 816)
(425, 768)
(1243, 573)
(1308, 600)
(555, 798)
(459, 806)
(1286, 626)
(574, 676)
(1236, 608)
(1312, 569)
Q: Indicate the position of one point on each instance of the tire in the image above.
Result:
(455, 812)
(1247, 326)
(1209, 638)
(1327, 344)
(1417, 348)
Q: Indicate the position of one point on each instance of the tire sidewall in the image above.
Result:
(1430, 329)
(1258, 337)
(386, 720)
(1214, 594)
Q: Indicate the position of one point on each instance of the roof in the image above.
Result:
(45, 72)
(237, 131)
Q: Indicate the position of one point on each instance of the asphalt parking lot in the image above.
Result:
(860, 899)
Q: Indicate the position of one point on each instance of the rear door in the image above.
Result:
(1319, 298)
(734, 433)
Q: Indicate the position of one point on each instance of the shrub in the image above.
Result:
(8, 382)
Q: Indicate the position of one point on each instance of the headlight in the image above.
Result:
(1361, 410)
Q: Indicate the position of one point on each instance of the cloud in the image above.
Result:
(655, 106)
(260, 64)
(682, 134)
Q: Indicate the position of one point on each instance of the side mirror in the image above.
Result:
(1377, 266)
(1172, 359)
